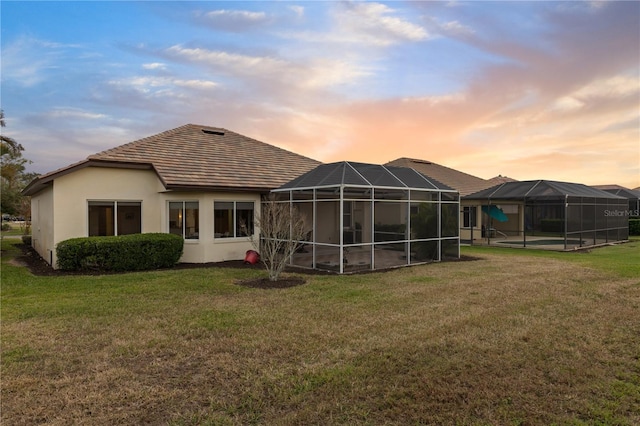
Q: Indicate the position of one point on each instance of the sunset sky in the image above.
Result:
(530, 90)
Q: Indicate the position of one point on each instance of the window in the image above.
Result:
(232, 219)
(114, 218)
(184, 219)
(469, 217)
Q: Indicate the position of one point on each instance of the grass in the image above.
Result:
(15, 230)
(517, 337)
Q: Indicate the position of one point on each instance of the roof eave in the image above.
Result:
(41, 182)
(217, 188)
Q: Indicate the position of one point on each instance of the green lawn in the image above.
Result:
(516, 337)
(15, 230)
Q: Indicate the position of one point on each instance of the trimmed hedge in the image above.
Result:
(136, 252)
(634, 226)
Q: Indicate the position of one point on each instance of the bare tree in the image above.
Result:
(282, 228)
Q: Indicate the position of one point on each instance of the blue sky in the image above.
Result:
(525, 89)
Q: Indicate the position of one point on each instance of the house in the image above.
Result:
(464, 183)
(196, 181)
(369, 217)
(550, 214)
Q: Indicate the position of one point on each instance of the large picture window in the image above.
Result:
(184, 219)
(233, 219)
(114, 218)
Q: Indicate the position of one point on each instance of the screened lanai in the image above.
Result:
(550, 214)
(369, 217)
(632, 195)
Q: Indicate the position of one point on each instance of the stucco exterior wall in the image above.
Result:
(42, 220)
(207, 248)
(72, 192)
(61, 211)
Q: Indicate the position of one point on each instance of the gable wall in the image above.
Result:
(72, 192)
(67, 202)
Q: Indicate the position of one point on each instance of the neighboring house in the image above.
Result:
(464, 183)
(196, 181)
(630, 194)
(497, 180)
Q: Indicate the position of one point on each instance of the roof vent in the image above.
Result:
(213, 132)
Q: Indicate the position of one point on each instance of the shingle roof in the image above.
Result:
(496, 180)
(202, 157)
(363, 174)
(462, 182)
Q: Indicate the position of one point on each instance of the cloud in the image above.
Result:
(27, 61)
(555, 96)
(376, 24)
(309, 74)
(449, 28)
(230, 62)
(144, 92)
(73, 113)
(611, 87)
(297, 10)
(232, 20)
(366, 24)
(453, 98)
(154, 66)
(148, 84)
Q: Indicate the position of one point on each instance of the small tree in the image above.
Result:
(282, 228)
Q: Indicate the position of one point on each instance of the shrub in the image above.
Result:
(26, 239)
(6, 227)
(135, 252)
(634, 226)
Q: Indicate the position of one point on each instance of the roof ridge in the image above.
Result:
(419, 161)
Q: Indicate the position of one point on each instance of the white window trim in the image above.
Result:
(184, 228)
(115, 213)
(234, 238)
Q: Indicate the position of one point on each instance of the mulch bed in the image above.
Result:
(30, 259)
(37, 266)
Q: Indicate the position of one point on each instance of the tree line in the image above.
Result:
(13, 176)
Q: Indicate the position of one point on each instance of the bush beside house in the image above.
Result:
(135, 252)
(634, 226)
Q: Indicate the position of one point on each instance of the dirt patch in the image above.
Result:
(265, 283)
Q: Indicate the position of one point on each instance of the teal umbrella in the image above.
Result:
(496, 213)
